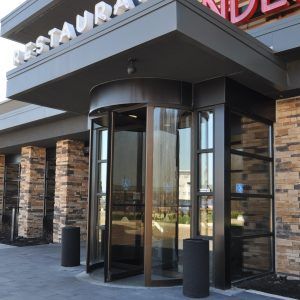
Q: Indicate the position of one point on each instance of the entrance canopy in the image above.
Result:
(171, 39)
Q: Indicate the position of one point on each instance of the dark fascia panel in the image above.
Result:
(23, 116)
(13, 25)
(244, 56)
(36, 17)
(42, 134)
(237, 96)
(232, 43)
(209, 93)
(282, 36)
(242, 99)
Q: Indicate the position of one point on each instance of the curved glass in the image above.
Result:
(171, 203)
(166, 211)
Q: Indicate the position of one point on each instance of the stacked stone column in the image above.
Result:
(71, 188)
(287, 184)
(2, 171)
(31, 212)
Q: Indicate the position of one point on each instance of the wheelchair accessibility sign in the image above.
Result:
(239, 188)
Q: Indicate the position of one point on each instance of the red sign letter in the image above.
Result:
(268, 7)
(222, 11)
(245, 15)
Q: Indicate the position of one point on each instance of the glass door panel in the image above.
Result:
(127, 204)
(97, 205)
(171, 198)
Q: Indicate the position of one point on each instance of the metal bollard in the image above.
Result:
(196, 268)
(70, 247)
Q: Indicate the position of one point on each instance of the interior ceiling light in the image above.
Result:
(133, 116)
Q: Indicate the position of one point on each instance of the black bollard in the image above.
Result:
(70, 247)
(196, 268)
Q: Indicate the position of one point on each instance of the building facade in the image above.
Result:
(145, 123)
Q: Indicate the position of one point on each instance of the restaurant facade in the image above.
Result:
(145, 123)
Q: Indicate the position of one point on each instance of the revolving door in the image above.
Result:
(141, 190)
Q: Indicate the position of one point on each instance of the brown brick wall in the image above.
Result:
(71, 188)
(2, 169)
(30, 222)
(287, 184)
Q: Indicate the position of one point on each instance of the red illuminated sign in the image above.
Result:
(229, 9)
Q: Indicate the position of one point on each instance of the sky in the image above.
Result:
(7, 47)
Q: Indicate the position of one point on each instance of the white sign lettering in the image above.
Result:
(18, 58)
(122, 6)
(42, 45)
(85, 23)
(29, 51)
(103, 13)
(68, 33)
(54, 37)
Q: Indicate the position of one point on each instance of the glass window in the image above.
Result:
(206, 127)
(206, 172)
(251, 216)
(171, 213)
(98, 194)
(205, 181)
(250, 256)
(249, 135)
(205, 207)
(211, 262)
(251, 197)
(250, 175)
(102, 170)
(126, 245)
(103, 145)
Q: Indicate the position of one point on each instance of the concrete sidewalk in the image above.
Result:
(34, 273)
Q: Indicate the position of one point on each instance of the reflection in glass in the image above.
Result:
(103, 139)
(171, 191)
(250, 256)
(250, 216)
(211, 263)
(250, 175)
(206, 126)
(250, 135)
(101, 225)
(205, 205)
(206, 172)
(102, 178)
(128, 187)
(12, 191)
(98, 197)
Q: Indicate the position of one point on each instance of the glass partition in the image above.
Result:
(171, 204)
(205, 185)
(11, 190)
(251, 197)
(98, 192)
(127, 201)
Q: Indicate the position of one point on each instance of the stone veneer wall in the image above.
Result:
(2, 171)
(30, 222)
(71, 190)
(287, 184)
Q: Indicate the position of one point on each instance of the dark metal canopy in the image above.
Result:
(171, 39)
(36, 17)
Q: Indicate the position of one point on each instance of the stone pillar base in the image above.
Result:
(71, 188)
(32, 188)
